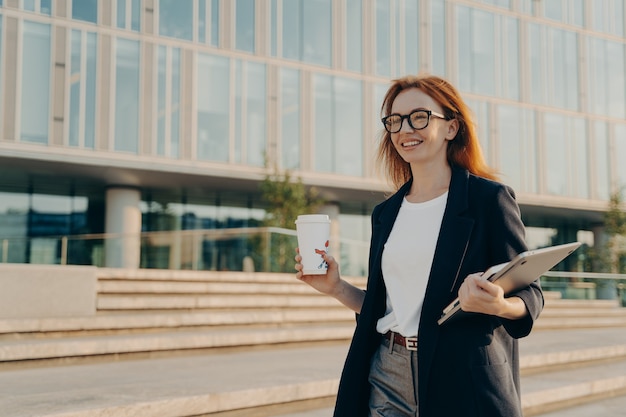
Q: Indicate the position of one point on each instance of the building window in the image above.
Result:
(477, 53)
(1, 66)
(213, 108)
(317, 32)
(608, 16)
(86, 10)
(338, 125)
(82, 117)
(14, 222)
(290, 118)
(380, 90)
(601, 157)
(553, 10)
(555, 153)
(202, 21)
(577, 12)
(273, 27)
(174, 101)
(527, 6)
(127, 95)
(510, 72)
(244, 37)
(250, 113)
(553, 67)
(607, 82)
(354, 35)
(620, 151)
(215, 22)
(564, 71)
(307, 31)
(176, 19)
(129, 14)
(35, 88)
(506, 4)
(476, 50)
(438, 36)
(566, 11)
(383, 38)
(517, 153)
(168, 102)
(37, 6)
(411, 36)
(482, 111)
(535, 62)
(208, 21)
(579, 157)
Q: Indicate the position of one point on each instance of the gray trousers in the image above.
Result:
(393, 381)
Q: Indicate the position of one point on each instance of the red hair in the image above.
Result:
(463, 151)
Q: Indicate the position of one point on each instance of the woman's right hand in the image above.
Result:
(327, 283)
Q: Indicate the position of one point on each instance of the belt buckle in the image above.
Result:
(411, 343)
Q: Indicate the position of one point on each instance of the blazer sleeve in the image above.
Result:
(506, 219)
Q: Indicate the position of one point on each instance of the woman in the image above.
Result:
(448, 221)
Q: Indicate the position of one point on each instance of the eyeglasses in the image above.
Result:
(418, 120)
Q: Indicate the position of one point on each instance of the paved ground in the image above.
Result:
(204, 383)
(613, 407)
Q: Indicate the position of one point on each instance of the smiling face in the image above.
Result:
(425, 148)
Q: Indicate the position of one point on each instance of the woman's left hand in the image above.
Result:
(477, 295)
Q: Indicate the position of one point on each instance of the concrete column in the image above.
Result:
(123, 222)
(600, 239)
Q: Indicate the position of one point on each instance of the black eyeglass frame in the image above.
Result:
(429, 114)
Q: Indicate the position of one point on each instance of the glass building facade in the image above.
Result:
(186, 101)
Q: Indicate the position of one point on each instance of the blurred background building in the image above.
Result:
(124, 117)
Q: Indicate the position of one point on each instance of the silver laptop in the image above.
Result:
(519, 272)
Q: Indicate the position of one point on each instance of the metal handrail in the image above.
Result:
(585, 275)
(202, 249)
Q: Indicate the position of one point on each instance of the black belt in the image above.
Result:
(410, 343)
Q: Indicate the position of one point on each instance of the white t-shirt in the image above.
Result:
(406, 262)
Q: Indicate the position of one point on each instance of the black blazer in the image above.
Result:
(468, 367)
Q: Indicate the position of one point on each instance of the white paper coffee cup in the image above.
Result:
(313, 232)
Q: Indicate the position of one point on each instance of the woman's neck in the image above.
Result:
(428, 184)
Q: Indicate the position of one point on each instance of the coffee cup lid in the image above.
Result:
(313, 218)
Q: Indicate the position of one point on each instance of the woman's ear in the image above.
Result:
(453, 128)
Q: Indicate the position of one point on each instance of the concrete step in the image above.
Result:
(557, 323)
(15, 347)
(171, 341)
(554, 295)
(566, 388)
(606, 407)
(250, 383)
(138, 321)
(191, 276)
(181, 287)
(150, 319)
(144, 322)
(187, 302)
(114, 274)
(571, 303)
(541, 342)
(550, 312)
(142, 295)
